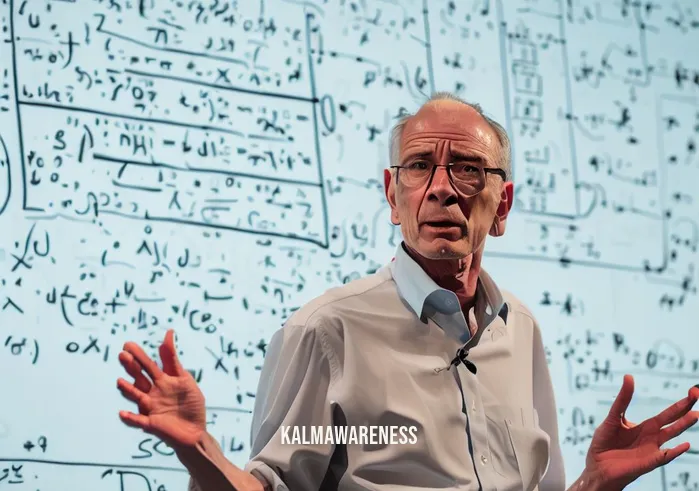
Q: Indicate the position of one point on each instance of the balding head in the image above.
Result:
(444, 99)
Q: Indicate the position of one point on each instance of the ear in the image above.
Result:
(389, 186)
(504, 207)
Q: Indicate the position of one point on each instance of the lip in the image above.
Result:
(450, 229)
(442, 224)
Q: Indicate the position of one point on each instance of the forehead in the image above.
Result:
(461, 125)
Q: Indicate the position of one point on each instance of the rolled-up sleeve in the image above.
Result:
(545, 404)
(296, 377)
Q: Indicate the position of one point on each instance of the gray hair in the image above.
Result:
(504, 159)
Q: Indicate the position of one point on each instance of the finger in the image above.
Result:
(134, 420)
(151, 368)
(135, 369)
(677, 410)
(694, 392)
(659, 458)
(678, 427)
(623, 399)
(168, 354)
(667, 455)
(134, 395)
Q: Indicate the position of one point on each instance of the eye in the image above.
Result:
(419, 165)
(466, 169)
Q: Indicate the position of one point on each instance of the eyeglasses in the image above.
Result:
(466, 178)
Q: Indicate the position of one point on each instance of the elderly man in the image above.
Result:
(428, 342)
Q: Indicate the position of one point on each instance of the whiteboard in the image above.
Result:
(211, 166)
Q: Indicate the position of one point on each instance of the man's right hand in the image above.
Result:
(170, 404)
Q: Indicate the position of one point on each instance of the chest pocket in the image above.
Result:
(519, 447)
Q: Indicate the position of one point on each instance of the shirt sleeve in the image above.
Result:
(292, 392)
(545, 404)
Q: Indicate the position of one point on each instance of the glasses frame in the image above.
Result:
(483, 170)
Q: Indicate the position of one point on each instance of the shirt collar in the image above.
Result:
(419, 290)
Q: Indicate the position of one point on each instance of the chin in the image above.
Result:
(438, 248)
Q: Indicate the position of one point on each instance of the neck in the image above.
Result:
(459, 275)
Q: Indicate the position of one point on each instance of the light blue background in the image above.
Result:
(253, 136)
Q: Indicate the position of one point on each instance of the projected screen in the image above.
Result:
(211, 166)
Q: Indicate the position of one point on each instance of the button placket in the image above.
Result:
(477, 428)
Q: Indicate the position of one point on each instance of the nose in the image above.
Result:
(441, 189)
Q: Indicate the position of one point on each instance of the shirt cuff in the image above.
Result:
(266, 475)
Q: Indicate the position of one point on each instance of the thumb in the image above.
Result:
(618, 410)
(168, 354)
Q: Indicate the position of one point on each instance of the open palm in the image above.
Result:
(622, 451)
(170, 404)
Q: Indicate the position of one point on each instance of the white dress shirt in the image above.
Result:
(369, 353)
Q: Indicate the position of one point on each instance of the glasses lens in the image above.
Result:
(466, 178)
(415, 174)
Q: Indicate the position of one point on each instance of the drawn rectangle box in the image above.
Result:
(523, 51)
(174, 172)
(526, 80)
(528, 109)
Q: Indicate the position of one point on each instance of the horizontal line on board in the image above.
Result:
(568, 262)
(93, 464)
(268, 233)
(228, 409)
(86, 110)
(127, 161)
(222, 87)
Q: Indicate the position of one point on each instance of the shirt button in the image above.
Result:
(484, 459)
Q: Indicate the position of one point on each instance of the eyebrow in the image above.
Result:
(456, 154)
(417, 155)
(469, 157)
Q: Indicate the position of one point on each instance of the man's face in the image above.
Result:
(436, 221)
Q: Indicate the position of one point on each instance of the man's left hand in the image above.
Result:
(621, 451)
